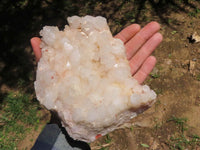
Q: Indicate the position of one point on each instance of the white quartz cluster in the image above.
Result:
(85, 77)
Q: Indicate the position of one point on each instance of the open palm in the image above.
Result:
(139, 44)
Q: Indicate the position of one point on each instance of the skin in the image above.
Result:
(139, 44)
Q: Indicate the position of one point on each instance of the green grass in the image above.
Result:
(194, 13)
(173, 32)
(157, 104)
(108, 139)
(144, 145)
(131, 128)
(107, 142)
(154, 75)
(180, 122)
(179, 141)
(198, 77)
(18, 117)
(158, 91)
(104, 148)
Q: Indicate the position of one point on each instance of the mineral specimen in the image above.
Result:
(195, 37)
(85, 77)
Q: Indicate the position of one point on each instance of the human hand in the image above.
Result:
(139, 44)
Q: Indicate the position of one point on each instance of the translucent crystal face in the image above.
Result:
(84, 76)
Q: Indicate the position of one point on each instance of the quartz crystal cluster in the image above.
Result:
(85, 77)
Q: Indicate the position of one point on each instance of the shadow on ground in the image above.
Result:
(21, 20)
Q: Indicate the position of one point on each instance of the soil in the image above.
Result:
(175, 79)
(177, 85)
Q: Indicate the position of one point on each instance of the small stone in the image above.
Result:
(195, 37)
(185, 64)
(194, 59)
(168, 61)
(197, 101)
(198, 51)
(192, 67)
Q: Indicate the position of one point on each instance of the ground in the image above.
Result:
(173, 121)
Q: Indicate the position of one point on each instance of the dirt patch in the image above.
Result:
(177, 85)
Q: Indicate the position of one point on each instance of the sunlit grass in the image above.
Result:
(179, 140)
(18, 116)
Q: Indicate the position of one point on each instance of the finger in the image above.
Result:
(126, 34)
(145, 69)
(35, 43)
(133, 45)
(145, 52)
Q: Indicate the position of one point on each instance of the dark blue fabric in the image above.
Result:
(54, 138)
(47, 138)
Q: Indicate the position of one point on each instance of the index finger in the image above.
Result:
(133, 45)
(35, 43)
(126, 34)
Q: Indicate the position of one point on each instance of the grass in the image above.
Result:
(154, 75)
(198, 77)
(179, 141)
(131, 128)
(108, 139)
(180, 122)
(18, 117)
(194, 13)
(158, 91)
(107, 142)
(173, 32)
(144, 145)
(104, 148)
